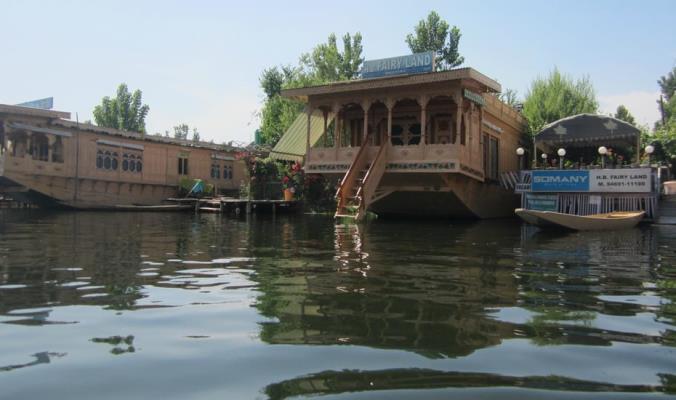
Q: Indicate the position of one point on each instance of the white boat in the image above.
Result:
(596, 222)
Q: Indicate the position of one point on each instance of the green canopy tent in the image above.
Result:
(292, 145)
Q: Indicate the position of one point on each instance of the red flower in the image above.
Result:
(285, 179)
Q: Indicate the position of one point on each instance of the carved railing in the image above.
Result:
(347, 184)
(371, 180)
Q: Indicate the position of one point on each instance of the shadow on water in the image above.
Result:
(438, 290)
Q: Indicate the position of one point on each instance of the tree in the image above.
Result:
(555, 97)
(509, 97)
(271, 81)
(434, 35)
(668, 84)
(325, 63)
(181, 131)
(624, 115)
(195, 135)
(125, 111)
(667, 102)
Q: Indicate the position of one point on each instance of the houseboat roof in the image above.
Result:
(586, 130)
(487, 84)
(62, 119)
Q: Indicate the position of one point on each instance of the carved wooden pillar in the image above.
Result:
(336, 128)
(457, 99)
(389, 103)
(326, 124)
(423, 119)
(366, 106)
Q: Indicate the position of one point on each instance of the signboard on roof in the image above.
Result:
(404, 65)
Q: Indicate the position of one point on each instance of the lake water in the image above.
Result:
(177, 306)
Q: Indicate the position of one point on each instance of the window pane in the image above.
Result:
(139, 166)
(125, 165)
(114, 164)
(132, 166)
(106, 163)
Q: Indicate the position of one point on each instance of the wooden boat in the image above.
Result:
(596, 222)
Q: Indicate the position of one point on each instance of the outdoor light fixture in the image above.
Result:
(603, 151)
(520, 151)
(649, 149)
(544, 159)
(561, 152)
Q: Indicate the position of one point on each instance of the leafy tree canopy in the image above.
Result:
(125, 111)
(623, 114)
(557, 96)
(435, 34)
(668, 84)
(325, 63)
(509, 97)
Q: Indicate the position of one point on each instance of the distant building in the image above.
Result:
(49, 160)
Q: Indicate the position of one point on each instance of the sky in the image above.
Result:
(199, 62)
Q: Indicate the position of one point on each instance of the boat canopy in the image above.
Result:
(587, 130)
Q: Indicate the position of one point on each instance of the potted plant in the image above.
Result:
(292, 180)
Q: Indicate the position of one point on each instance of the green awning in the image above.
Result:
(292, 145)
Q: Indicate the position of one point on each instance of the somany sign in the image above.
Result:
(411, 64)
(635, 180)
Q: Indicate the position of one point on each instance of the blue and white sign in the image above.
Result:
(560, 181)
(542, 202)
(412, 64)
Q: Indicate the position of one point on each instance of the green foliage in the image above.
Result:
(319, 193)
(624, 115)
(277, 115)
(434, 34)
(181, 131)
(668, 84)
(509, 97)
(326, 63)
(555, 97)
(195, 135)
(125, 111)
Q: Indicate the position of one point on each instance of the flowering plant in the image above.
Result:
(292, 178)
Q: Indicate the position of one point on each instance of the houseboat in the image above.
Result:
(50, 160)
(590, 165)
(410, 142)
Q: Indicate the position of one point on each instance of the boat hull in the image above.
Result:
(596, 222)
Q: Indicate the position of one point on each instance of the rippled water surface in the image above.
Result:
(176, 306)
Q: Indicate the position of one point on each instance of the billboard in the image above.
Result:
(404, 65)
(560, 181)
(624, 180)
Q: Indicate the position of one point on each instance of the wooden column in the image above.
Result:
(423, 119)
(457, 98)
(326, 119)
(389, 103)
(366, 106)
(336, 129)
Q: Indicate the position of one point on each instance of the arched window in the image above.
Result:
(139, 164)
(463, 130)
(57, 150)
(107, 160)
(99, 159)
(125, 162)
(114, 162)
(132, 163)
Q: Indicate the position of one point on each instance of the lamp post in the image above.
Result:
(649, 149)
(603, 151)
(561, 152)
(519, 152)
(544, 160)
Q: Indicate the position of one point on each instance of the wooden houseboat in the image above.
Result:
(49, 160)
(421, 144)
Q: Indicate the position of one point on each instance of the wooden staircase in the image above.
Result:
(359, 187)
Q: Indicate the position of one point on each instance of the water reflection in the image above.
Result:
(436, 297)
